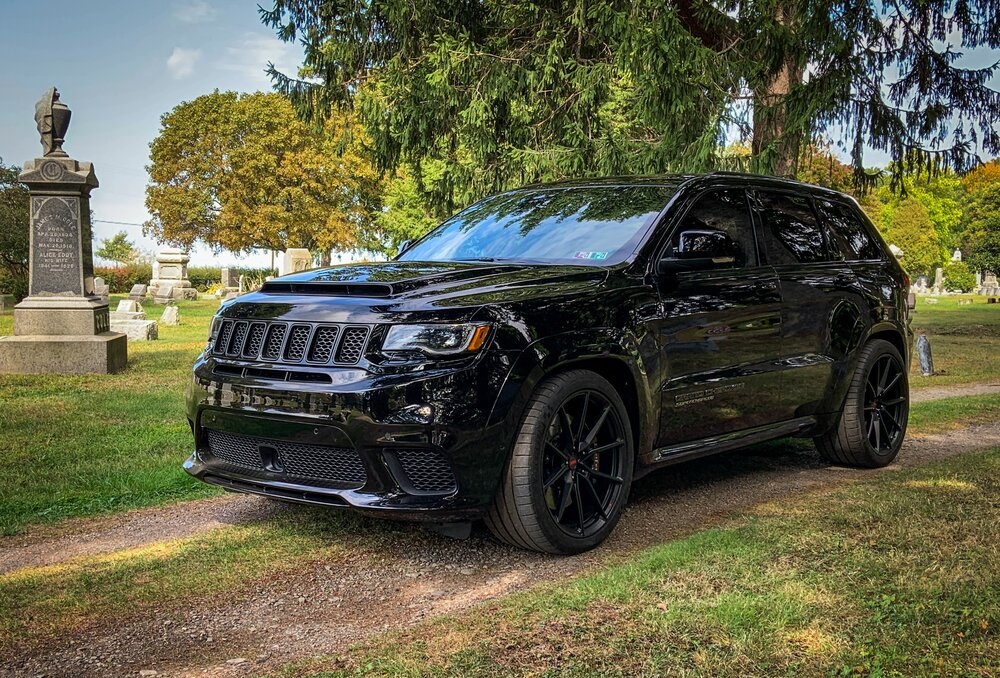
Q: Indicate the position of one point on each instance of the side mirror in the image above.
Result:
(699, 250)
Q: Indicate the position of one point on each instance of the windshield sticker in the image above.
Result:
(591, 255)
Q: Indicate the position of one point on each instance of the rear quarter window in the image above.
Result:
(849, 236)
(792, 234)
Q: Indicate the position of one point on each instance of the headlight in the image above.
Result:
(436, 339)
(213, 332)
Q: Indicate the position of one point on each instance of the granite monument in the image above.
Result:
(62, 326)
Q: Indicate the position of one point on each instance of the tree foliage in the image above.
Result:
(958, 277)
(508, 92)
(14, 233)
(117, 248)
(241, 172)
(907, 224)
(981, 237)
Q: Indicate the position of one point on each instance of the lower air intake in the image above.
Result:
(339, 466)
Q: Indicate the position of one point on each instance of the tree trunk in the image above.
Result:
(776, 139)
(324, 257)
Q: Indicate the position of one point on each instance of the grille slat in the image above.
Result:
(275, 340)
(297, 339)
(322, 345)
(239, 336)
(340, 466)
(278, 342)
(352, 345)
(255, 337)
(426, 470)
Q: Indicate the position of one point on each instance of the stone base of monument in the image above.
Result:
(55, 334)
(103, 353)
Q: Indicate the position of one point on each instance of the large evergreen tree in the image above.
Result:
(505, 92)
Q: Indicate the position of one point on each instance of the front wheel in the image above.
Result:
(873, 422)
(570, 471)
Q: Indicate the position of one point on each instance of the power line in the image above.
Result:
(119, 223)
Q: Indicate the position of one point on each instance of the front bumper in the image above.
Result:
(359, 442)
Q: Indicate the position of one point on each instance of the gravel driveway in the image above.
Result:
(323, 609)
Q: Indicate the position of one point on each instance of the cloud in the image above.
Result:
(181, 62)
(251, 54)
(195, 12)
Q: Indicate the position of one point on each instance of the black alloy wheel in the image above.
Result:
(570, 470)
(885, 404)
(582, 464)
(872, 424)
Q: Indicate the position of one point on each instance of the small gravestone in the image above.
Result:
(128, 310)
(130, 320)
(163, 294)
(230, 281)
(62, 326)
(137, 330)
(101, 289)
(990, 286)
(137, 293)
(171, 316)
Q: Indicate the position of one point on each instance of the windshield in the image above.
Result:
(590, 225)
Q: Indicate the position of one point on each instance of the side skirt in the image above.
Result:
(693, 449)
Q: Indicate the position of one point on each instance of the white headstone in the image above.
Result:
(171, 316)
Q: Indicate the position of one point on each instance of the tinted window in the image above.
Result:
(722, 211)
(847, 233)
(586, 225)
(791, 232)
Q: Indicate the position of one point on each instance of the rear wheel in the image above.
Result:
(569, 474)
(873, 422)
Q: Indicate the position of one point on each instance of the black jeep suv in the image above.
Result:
(528, 359)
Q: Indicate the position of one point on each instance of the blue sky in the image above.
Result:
(120, 65)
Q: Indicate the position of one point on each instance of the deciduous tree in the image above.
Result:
(117, 248)
(241, 172)
(14, 238)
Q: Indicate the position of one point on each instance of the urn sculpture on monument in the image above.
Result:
(62, 326)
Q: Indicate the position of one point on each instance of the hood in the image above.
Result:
(408, 284)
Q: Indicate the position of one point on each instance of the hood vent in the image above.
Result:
(369, 290)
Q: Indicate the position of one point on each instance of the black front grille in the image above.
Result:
(339, 466)
(269, 341)
(425, 470)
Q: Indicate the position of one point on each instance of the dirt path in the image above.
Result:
(939, 392)
(326, 606)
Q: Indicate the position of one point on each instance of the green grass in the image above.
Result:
(89, 444)
(895, 576)
(965, 341)
(86, 445)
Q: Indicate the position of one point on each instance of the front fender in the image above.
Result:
(603, 350)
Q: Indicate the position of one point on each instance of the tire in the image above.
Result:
(550, 447)
(872, 425)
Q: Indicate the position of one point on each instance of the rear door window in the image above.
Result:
(848, 235)
(791, 232)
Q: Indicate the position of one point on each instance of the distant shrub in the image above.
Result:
(15, 285)
(202, 277)
(120, 279)
(958, 277)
